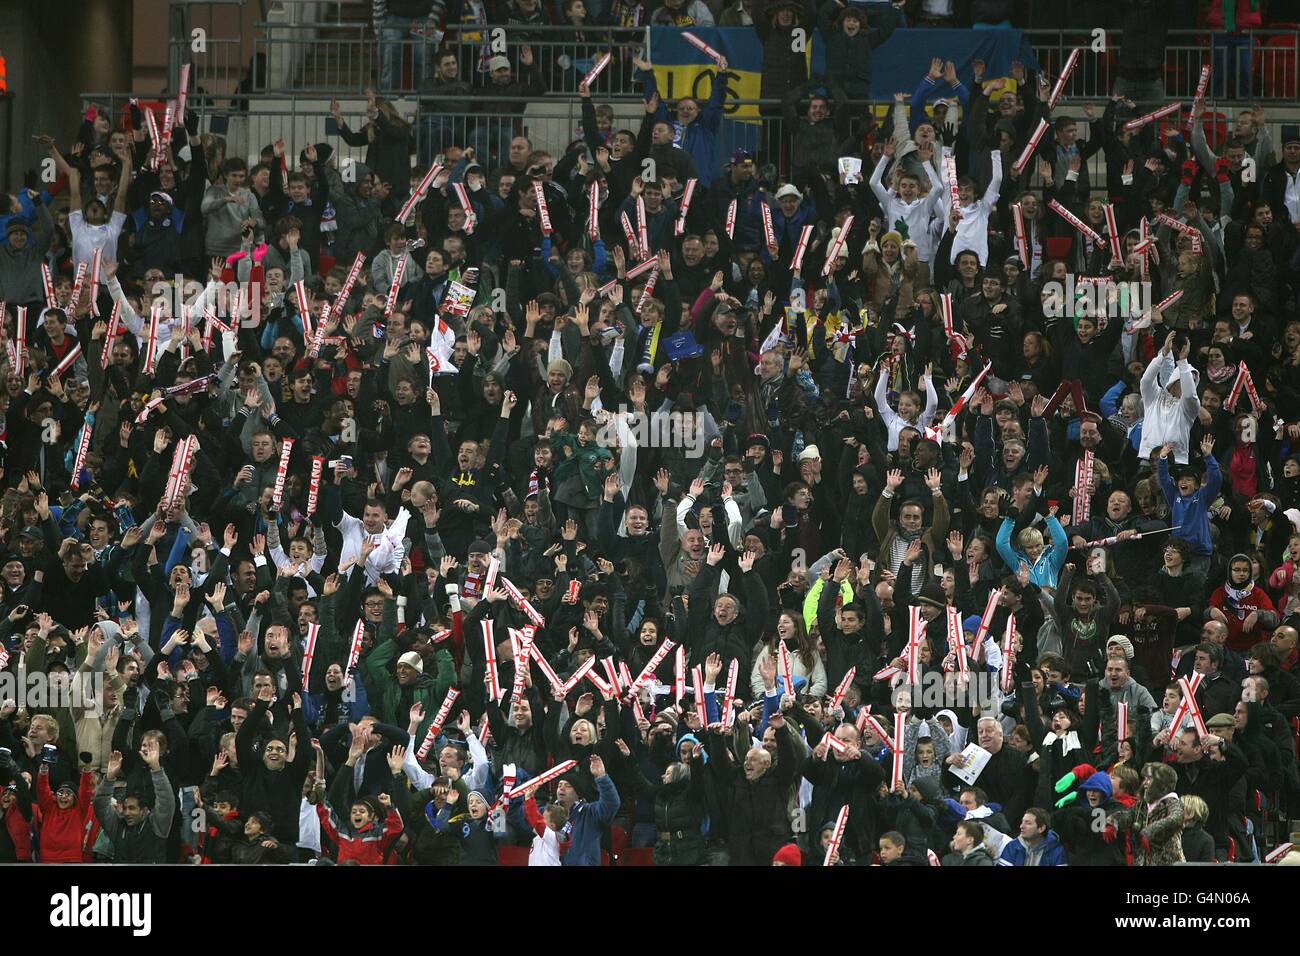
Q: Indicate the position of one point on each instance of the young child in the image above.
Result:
(910, 413)
(385, 263)
(549, 844)
(360, 839)
(479, 832)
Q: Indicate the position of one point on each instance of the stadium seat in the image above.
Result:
(325, 265)
(637, 856)
(512, 856)
(1276, 65)
(617, 841)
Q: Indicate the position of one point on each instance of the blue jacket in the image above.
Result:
(586, 821)
(1047, 568)
(1191, 514)
(1014, 853)
(700, 136)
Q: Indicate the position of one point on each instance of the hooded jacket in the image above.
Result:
(1047, 852)
(1076, 823)
(62, 831)
(1166, 418)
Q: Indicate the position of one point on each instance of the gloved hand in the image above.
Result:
(1067, 799)
(1222, 170)
(163, 703)
(1189, 171)
(1065, 783)
(130, 704)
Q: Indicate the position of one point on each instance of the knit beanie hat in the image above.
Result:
(788, 855)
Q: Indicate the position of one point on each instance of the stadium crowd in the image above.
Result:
(795, 511)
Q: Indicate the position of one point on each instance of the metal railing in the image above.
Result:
(217, 61)
(348, 56)
(1255, 65)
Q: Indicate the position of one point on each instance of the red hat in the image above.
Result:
(788, 855)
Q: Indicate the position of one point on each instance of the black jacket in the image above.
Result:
(757, 811)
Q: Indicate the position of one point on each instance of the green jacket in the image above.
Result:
(388, 704)
(582, 462)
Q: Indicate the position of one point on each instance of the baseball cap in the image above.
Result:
(498, 63)
(810, 453)
(788, 190)
(741, 155)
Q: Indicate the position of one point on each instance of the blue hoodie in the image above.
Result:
(1052, 853)
(1191, 514)
(700, 136)
(1047, 569)
(586, 822)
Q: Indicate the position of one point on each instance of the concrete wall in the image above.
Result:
(56, 49)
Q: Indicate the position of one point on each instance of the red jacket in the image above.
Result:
(62, 831)
(20, 832)
(367, 846)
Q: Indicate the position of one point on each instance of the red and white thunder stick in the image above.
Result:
(945, 309)
(1189, 692)
(69, 360)
(151, 341)
(1116, 250)
(630, 234)
(957, 640)
(342, 298)
(843, 688)
(769, 231)
(687, 195)
(542, 779)
(1139, 121)
(281, 473)
(1272, 856)
(492, 678)
(96, 262)
(391, 303)
(837, 246)
(1193, 708)
(521, 666)
(787, 673)
(642, 230)
(576, 677)
(309, 652)
(900, 736)
(420, 190)
(950, 171)
(182, 94)
(494, 569)
(731, 218)
(870, 720)
(1243, 382)
(354, 653)
(596, 70)
(965, 397)
(1066, 70)
(915, 629)
(543, 211)
(733, 674)
(1121, 720)
(649, 288)
(1080, 226)
(526, 606)
(652, 665)
(837, 834)
(1022, 238)
(805, 236)
(20, 342)
(986, 619)
(697, 685)
(1083, 469)
(83, 446)
(304, 307)
(703, 47)
(155, 138)
(1030, 146)
(313, 486)
(78, 285)
(47, 280)
(679, 676)
(471, 220)
(593, 211)
(832, 743)
(1008, 652)
(440, 718)
(545, 666)
(178, 476)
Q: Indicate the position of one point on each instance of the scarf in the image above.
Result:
(898, 548)
(1236, 597)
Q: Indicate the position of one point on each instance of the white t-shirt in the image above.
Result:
(87, 238)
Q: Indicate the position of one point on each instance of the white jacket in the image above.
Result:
(1165, 418)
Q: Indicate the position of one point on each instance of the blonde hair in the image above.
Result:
(556, 814)
(1030, 538)
(49, 723)
(1194, 808)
